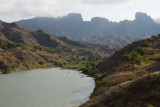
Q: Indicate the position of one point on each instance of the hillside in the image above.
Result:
(25, 49)
(99, 30)
(130, 77)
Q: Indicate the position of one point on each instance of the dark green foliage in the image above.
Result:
(41, 62)
(158, 59)
(4, 47)
(104, 82)
(21, 45)
(150, 105)
(11, 45)
(137, 59)
(126, 57)
(145, 44)
(154, 37)
(58, 64)
(151, 52)
(140, 50)
(37, 48)
(89, 67)
(1, 44)
(134, 54)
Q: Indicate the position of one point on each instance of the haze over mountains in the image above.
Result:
(99, 30)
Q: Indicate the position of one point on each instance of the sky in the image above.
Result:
(114, 10)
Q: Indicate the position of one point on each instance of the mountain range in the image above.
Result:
(25, 49)
(99, 30)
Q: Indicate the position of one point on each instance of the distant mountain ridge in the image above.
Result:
(73, 26)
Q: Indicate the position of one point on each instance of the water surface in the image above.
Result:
(45, 88)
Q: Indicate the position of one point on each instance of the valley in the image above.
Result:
(25, 49)
(123, 58)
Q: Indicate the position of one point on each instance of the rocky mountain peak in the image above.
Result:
(99, 20)
(142, 17)
(74, 17)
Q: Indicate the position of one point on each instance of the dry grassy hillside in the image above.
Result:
(25, 49)
(130, 77)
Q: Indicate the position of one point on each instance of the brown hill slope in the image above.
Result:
(18, 34)
(130, 77)
(25, 49)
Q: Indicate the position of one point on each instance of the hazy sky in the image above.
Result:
(114, 10)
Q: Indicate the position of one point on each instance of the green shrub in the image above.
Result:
(154, 37)
(126, 57)
(158, 59)
(58, 64)
(138, 59)
(145, 44)
(140, 50)
(151, 52)
(104, 82)
(41, 62)
(93, 64)
(37, 48)
(1, 44)
(150, 105)
(145, 58)
(21, 45)
(4, 47)
(11, 45)
(134, 54)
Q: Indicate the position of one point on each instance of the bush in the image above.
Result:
(126, 57)
(145, 44)
(138, 59)
(158, 59)
(41, 62)
(58, 64)
(151, 52)
(104, 82)
(4, 47)
(134, 54)
(93, 64)
(1, 44)
(154, 37)
(140, 50)
(150, 105)
(21, 45)
(11, 45)
(37, 48)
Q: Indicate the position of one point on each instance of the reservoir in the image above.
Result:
(53, 87)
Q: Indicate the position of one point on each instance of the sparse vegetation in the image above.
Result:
(115, 84)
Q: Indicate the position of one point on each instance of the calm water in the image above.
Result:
(45, 88)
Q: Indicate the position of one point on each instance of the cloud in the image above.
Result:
(105, 2)
(25, 8)
(21, 9)
(48, 7)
